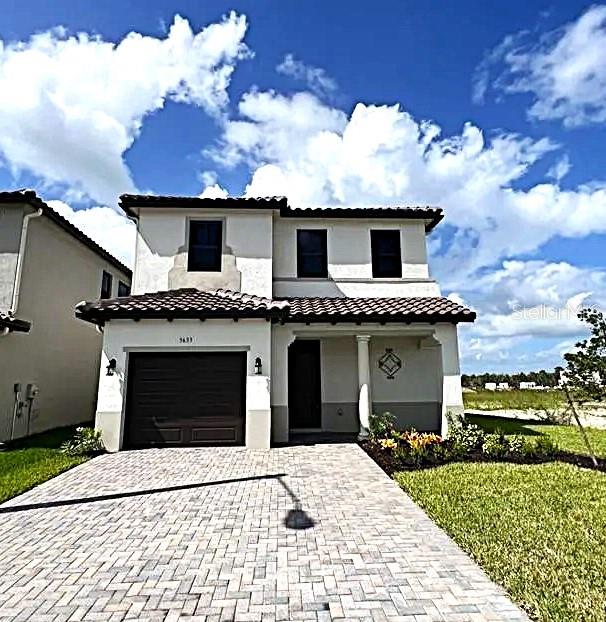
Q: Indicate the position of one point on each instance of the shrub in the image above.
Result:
(544, 447)
(495, 445)
(417, 448)
(382, 426)
(516, 444)
(464, 437)
(541, 447)
(86, 441)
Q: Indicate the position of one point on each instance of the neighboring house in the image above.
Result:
(503, 386)
(528, 385)
(490, 386)
(49, 360)
(250, 319)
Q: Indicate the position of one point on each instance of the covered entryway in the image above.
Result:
(185, 398)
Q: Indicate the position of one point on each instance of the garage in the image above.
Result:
(188, 398)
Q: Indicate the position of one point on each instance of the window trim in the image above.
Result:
(323, 254)
(105, 275)
(375, 254)
(221, 223)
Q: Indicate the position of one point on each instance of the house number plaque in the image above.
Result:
(185, 339)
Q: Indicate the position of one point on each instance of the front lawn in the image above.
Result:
(537, 529)
(32, 461)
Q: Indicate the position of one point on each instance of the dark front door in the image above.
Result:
(190, 398)
(304, 385)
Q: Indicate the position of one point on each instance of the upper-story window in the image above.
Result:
(205, 246)
(386, 253)
(106, 285)
(123, 289)
(311, 253)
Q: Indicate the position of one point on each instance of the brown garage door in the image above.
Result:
(188, 398)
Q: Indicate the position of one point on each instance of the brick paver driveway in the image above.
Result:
(207, 534)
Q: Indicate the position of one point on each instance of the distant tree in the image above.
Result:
(586, 369)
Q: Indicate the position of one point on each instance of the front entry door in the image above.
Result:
(304, 385)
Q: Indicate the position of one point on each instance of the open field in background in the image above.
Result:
(514, 399)
(537, 529)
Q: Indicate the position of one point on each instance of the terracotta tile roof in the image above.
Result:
(131, 202)
(31, 198)
(417, 309)
(194, 303)
(13, 324)
(181, 303)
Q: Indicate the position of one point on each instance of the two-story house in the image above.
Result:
(251, 319)
(49, 360)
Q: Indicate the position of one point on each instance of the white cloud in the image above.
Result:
(316, 78)
(70, 106)
(523, 301)
(214, 192)
(560, 169)
(315, 154)
(110, 229)
(565, 71)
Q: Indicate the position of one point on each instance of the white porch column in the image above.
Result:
(364, 396)
(452, 394)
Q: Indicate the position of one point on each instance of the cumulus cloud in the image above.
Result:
(110, 229)
(70, 106)
(564, 72)
(522, 301)
(316, 78)
(316, 154)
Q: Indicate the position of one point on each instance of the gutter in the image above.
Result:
(20, 257)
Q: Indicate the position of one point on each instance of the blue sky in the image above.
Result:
(495, 111)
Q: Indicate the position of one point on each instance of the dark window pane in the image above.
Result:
(386, 254)
(311, 253)
(205, 246)
(123, 289)
(106, 285)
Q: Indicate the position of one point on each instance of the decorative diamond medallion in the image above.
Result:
(390, 364)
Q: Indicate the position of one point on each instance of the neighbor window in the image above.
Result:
(106, 285)
(311, 253)
(205, 246)
(386, 255)
(123, 289)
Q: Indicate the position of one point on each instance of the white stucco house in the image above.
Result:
(49, 360)
(250, 320)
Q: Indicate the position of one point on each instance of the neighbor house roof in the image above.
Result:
(29, 197)
(13, 324)
(130, 203)
(194, 303)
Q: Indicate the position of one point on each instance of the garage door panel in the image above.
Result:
(186, 399)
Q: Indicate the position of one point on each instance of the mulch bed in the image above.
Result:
(390, 465)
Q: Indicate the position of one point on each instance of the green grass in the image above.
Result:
(34, 460)
(514, 399)
(567, 437)
(538, 530)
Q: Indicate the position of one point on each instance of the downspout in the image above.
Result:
(19, 270)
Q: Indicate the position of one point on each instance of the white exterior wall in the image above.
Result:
(162, 246)
(60, 354)
(419, 395)
(123, 336)
(11, 222)
(349, 260)
(452, 393)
